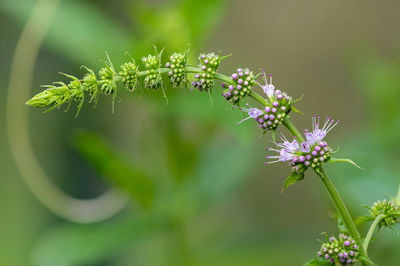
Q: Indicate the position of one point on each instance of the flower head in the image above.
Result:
(177, 66)
(128, 75)
(318, 134)
(242, 81)
(209, 63)
(277, 106)
(342, 250)
(152, 63)
(389, 209)
(311, 152)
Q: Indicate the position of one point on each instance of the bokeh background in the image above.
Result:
(206, 197)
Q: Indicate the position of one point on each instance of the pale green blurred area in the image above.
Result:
(342, 55)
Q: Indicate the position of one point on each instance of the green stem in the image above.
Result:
(340, 206)
(371, 231)
(257, 97)
(292, 128)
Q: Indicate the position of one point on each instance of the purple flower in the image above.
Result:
(252, 112)
(318, 134)
(311, 152)
(268, 88)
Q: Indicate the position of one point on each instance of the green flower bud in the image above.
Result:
(52, 97)
(107, 82)
(128, 75)
(389, 209)
(90, 84)
(153, 79)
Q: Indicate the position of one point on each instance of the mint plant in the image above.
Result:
(302, 152)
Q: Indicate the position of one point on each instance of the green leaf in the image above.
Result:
(344, 160)
(294, 109)
(366, 259)
(293, 178)
(362, 219)
(316, 262)
(110, 164)
(70, 245)
(341, 226)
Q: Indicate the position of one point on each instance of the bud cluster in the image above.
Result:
(177, 66)
(153, 79)
(276, 111)
(390, 211)
(242, 81)
(209, 63)
(128, 75)
(107, 79)
(343, 250)
(55, 96)
(89, 83)
(317, 155)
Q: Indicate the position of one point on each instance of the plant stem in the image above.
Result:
(371, 231)
(333, 193)
(341, 207)
(292, 128)
(257, 97)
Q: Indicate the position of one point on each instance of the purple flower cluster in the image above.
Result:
(242, 81)
(311, 152)
(177, 66)
(209, 63)
(278, 105)
(343, 250)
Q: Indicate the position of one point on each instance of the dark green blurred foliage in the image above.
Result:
(120, 171)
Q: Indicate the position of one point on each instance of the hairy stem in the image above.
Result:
(371, 231)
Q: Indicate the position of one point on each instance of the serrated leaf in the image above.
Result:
(344, 160)
(315, 262)
(111, 165)
(293, 178)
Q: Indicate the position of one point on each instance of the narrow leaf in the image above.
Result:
(366, 259)
(362, 219)
(294, 109)
(314, 262)
(293, 178)
(344, 160)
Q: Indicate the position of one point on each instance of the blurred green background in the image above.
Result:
(200, 193)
